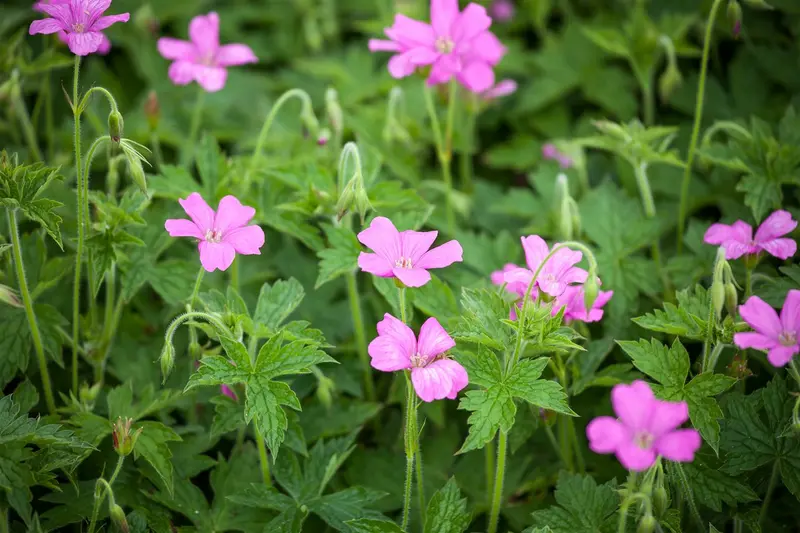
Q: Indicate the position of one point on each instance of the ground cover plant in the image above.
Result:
(379, 266)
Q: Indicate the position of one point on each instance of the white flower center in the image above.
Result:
(78, 27)
(418, 361)
(444, 45)
(213, 235)
(403, 262)
(787, 338)
(643, 440)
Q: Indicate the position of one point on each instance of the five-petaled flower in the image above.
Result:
(78, 22)
(405, 255)
(645, 428)
(779, 335)
(433, 375)
(203, 59)
(221, 234)
(558, 273)
(455, 44)
(738, 240)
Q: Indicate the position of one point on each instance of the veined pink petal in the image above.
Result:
(230, 55)
(606, 434)
(444, 68)
(635, 458)
(204, 33)
(105, 45)
(382, 45)
(477, 76)
(679, 445)
(414, 244)
(46, 26)
(231, 214)
(176, 49)
(401, 65)
(535, 251)
(412, 277)
(776, 225)
(781, 355)
(471, 22)
(61, 12)
(410, 33)
(83, 44)
(790, 313)
(498, 276)
(96, 6)
(375, 264)
(383, 238)
(752, 339)
(761, 317)
(104, 22)
(518, 277)
(182, 72)
(216, 255)
(486, 48)
(433, 339)
(394, 346)
(458, 376)
(246, 240)
(736, 239)
(199, 211)
(441, 256)
(212, 79)
(432, 382)
(179, 227)
(667, 417)
(780, 248)
(633, 404)
(443, 14)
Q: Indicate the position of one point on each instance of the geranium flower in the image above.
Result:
(737, 239)
(433, 375)
(221, 234)
(203, 59)
(228, 391)
(405, 255)
(780, 336)
(79, 23)
(645, 428)
(502, 88)
(575, 307)
(556, 275)
(455, 44)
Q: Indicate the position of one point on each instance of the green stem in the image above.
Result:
(193, 341)
(466, 154)
(25, 122)
(117, 470)
(499, 476)
(262, 457)
(748, 282)
(361, 337)
(553, 442)
(574, 438)
(3, 520)
(29, 312)
(640, 169)
(687, 493)
(698, 117)
(48, 117)
(649, 103)
(489, 453)
(443, 150)
(76, 292)
(156, 144)
(194, 128)
(401, 298)
(198, 282)
(773, 479)
(421, 501)
(408, 445)
(106, 488)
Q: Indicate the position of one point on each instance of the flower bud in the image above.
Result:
(124, 440)
(590, 289)
(647, 524)
(152, 110)
(669, 81)
(323, 137)
(9, 296)
(167, 360)
(118, 517)
(346, 198)
(195, 351)
(718, 297)
(334, 111)
(87, 394)
(731, 299)
(325, 388)
(735, 17)
(362, 203)
(115, 125)
(660, 500)
(738, 367)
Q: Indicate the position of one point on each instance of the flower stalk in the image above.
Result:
(443, 147)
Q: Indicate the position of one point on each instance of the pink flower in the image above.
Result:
(502, 10)
(227, 391)
(222, 235)
(433, 375)
(646, 428)
(498, 278)
(503, 88)
(78, 22)
(779, 335)
(454, 44)
(556, 275)
(575, 307)
(405, 255)
(737, 239)
(203, 59)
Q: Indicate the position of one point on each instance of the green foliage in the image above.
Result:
(583, 506)
(22, 186)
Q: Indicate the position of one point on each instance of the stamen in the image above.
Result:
(403, 262)
(444, 45)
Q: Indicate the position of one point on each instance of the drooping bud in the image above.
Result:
(118, 517)
(660, 500)
(647, 524)
(152, 110)
(115, 126)
(309, 120)
(718, 297)
(735, 17)
(346, 198)
(124, 440)
(362, 203)
(669, 81)
(135, 159)
(9, 296)
(334, 111)
(590, 289)
(167, 360)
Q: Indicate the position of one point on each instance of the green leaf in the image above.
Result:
(436, 298)
(492, 409)
(712, 487)
(277, 359)
(347, 416)
(482, 368)
(172, 183)
(152, 446)
(584, 506)
(447, 511)
(228, 415)
(277, 301)
(366, 525)
(341, 257)
(217, 370)
(20, 187)
(668, 366)
(263, 403)
(482, 318)
(340, 507)
(688, 319)
(15, 343)
(524, 383)
(289, 521)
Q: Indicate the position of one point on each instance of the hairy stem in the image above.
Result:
(76, 292)
(262, 457)
(687, 493)
(490, 455)
(443, 148)
(361, 337)
(194, 128)
(499, 476)
(408, 445)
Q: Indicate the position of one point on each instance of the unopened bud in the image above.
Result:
(118, 517)
(647, 524)
(717, 297)
(323, 137)
(590, 289)
(660, 500)
(669, 81)
(195, 351)
(124, 440)
(735, 17)
(334, 110)
(229, 392)
(346, 198)
(152, 110)
(731, 299)
(167, 360)
(9, 296)
(362, 203)
(565, 221)
(87, 394)
(610, 128)
(738, 367)
(115, 126)
(325, 390)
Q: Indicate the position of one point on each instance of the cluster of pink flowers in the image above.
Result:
(456, 44)
(644, 429)
(738, 240)
(407, 256)
(559, 279)
(79, 23)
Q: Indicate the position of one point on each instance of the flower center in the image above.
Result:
(643, 440)
(787, 338)
(403, 262)
(444, 45)
(78, 27)
(213, 235)
(418, 361)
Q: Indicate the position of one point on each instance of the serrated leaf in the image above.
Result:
(492, 409)
(289, 521)
(524, 383)
(712, 487)
(228, 415)
(483, 313)
(447, 510)
(584, 506)
(263, 403)
(152, 446)
(341, 257)
(340, 507)
(277, 301)
(277, 359)
(366, 525)
(681, 320)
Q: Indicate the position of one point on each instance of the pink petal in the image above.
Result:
(394, 346)
(606, 434)
(180, 227)
(199, 211)
(679, 445)
(62, 12)
(441, 256)
(518, 280)
(212, 79)
(477, 76)
(231, 214)
(498, 276)
(227, 391)
(761, 317)
(535, 251)
(231, 55)
(458, 375)
(104, 22)
(504, 88)
(432, 382)
(83, 44)
(204, 33)
(105, 46)
(414, 244)
(175, 49)
(486, 48)
(781, 355)
(443, 15)
(46, 26)
(433, 339)
(472, 21)
(410, 33)
(754, 340)
(443, 70)
(246, 241)
(375, 264)
(790, 314)
(216, 255)
(634, 404)
(383, 238)
(780, 248)
(412, 277)
(382, 45)
(634, 458)
(182, 72)
(776, 225)
(667, 416)
(736, 239)
(421, 56)
(400, 65)
(96, 7)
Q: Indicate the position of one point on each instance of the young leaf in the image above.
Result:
(482, 319)
(341, 257)
(447, 511)
(584, 506)
(689, 319)
(20, 187)
(277, 301)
